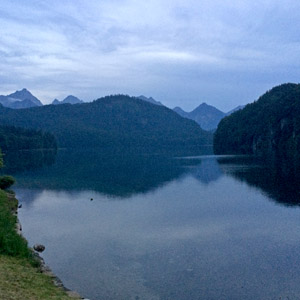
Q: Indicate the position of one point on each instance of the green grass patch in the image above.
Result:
(20, 281)
(11, 243)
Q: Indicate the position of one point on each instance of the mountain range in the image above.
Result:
(24, 99)
(207, 116)
(69, 99)
(113, 123)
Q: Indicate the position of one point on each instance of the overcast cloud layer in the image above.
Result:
(225, 53)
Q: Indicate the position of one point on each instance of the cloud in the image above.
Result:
(90, 48)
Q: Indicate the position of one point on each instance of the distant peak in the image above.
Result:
(24, 94)
(69, 99)
(150, 99)
(22, 91)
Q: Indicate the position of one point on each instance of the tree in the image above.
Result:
(5, 181)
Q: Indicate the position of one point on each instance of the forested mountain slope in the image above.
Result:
(112, 121)
(268, 127)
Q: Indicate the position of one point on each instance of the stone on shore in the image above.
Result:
(39, 247)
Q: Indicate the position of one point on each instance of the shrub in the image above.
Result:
(6, 182)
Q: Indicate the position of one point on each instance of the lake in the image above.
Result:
(153, 227)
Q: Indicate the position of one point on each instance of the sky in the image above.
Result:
(182, 53)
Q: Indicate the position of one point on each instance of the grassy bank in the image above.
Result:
(20, 275)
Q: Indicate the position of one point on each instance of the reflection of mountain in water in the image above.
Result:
(203, 168)
(208, 171)
(121, 175)
(278, 181)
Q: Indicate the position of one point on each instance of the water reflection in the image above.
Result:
(127, 174)
(277, 180)
(18, 161)
(208, 171)
(113, 175)
(189, 229)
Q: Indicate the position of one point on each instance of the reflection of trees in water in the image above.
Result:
(126, 174)
(18, 161)
(279, 179)
(115, 175)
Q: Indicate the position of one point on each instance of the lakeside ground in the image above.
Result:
(20, 275)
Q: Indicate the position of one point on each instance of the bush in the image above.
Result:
(6, 182)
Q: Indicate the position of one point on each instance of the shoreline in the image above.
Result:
(43, 267)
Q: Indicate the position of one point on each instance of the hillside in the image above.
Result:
(269, 127)
(112, 122)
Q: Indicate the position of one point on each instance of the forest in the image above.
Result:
(269, 128)
(113, 122)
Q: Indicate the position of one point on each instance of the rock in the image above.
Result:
(39, 247)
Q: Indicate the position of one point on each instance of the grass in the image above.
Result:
(19, 280)
(20, 275)
(10, 242)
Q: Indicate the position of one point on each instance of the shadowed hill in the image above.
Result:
(269, 127)
(112, 122)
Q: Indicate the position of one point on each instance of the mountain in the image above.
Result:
(113, 122)
(20, 99)
(207, 116)
(22, 104)
(69, 99)
(56, 102)
(24, 94)
(269, 127)
(181, 112)
(151, 100)
(235, 109)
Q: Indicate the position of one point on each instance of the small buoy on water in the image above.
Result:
(92, 199)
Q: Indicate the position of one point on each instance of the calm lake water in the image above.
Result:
(127, 227)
